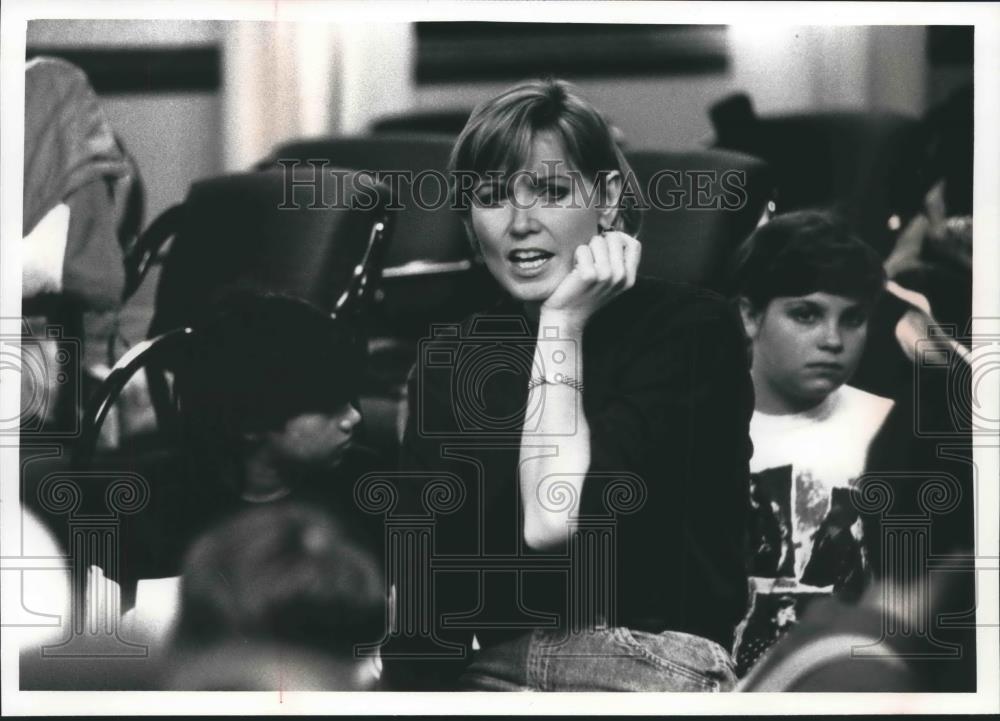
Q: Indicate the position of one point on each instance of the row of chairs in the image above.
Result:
(400, 270)
(866, 164)
(397, 270)
(239, 230)
(228, 231)
(242, 231)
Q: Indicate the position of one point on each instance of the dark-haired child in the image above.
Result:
(268, 399)
(805, 285)
(269, 416)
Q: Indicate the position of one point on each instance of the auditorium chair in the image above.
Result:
(258, 231)
(868, 167)
(687, 234)
(430, 274)
(231, 233)
(862, 163)
(443, 122)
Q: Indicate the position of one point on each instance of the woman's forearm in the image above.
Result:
(555, 443)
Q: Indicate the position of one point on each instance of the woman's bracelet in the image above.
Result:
(557, 379)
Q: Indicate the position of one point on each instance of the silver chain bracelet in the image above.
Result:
(557, 379)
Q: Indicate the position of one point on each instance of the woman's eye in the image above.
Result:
(555, 192)
(488, 196)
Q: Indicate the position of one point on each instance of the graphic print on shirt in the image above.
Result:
(771, 514)
(806, 537)
(804, 530)
(806, 543)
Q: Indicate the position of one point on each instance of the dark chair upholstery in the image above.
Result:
(429, 275)
(685, 244)
(429, 272)
(863, 164)
(444, 122)
(682, 239)
(254, 231)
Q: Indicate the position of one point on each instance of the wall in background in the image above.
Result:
(292, 80)
(275, 82)
(193, 99)
(86, 33)
(283, 81)
(173, 135)
(899, 69)
(378, 71)
(272, 82)
(784, 69)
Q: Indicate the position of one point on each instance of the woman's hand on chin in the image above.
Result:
(603, 269)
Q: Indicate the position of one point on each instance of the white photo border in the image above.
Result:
(986, 303)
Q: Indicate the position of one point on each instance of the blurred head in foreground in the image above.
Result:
(288, 584)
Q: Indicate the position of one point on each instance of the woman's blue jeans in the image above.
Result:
(607, 659)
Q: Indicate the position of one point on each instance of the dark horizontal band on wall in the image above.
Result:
(144, 70)
(470, 51)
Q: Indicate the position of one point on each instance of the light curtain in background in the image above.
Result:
(283, 81)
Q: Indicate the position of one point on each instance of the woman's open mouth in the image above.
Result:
(528, 262)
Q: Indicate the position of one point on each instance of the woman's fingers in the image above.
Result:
(602, 269)
(623, 253)
(585, 265)
(602, 264)
(616, 258)
(633, 254)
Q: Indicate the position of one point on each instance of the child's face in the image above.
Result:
(316, 439)
(805, 347)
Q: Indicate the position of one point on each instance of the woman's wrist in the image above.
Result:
(558, 354)
(565, 324)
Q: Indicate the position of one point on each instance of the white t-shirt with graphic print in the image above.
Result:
(826, 448)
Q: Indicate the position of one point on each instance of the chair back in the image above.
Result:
(430, 274)
(701, 206)
(263, 232)
(157, 357)
(420, 122)
(862, 164)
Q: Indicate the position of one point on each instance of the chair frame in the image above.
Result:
(151, 355)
